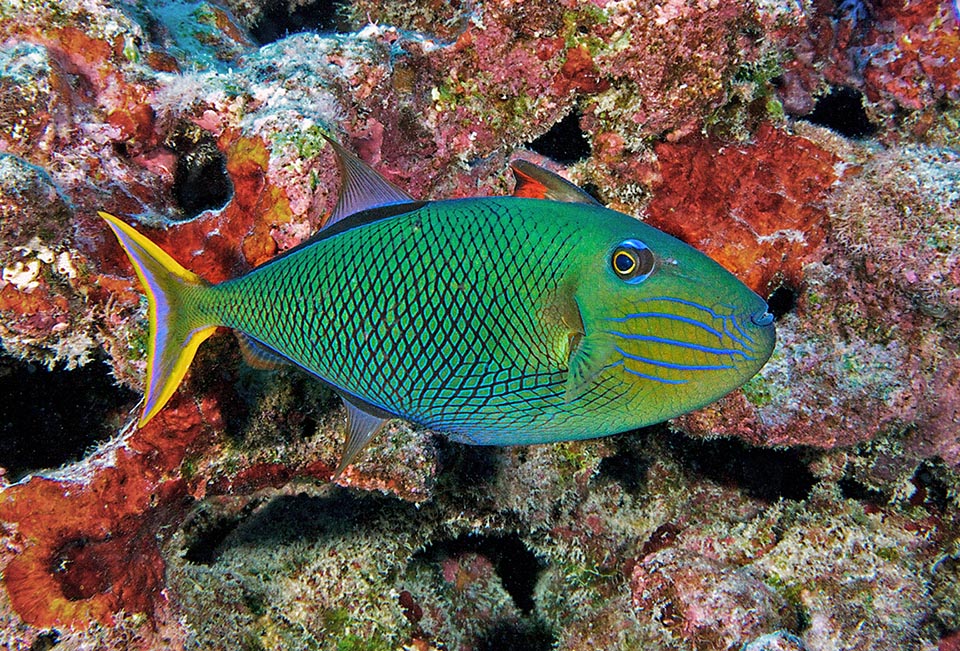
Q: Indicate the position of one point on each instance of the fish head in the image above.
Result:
(665, 327)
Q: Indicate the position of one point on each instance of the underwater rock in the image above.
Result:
(78, 532)
(86, 542)
(669, 65)
(779, 641)
(36, 112)
(77, 131)
(775, 187)
(868, 348)
(857, 549)
(913, 190)
(703, 604)
(907, 235)
(908, 56)
(42, 286)
(469, 597)
(191, 34)
(901, 57)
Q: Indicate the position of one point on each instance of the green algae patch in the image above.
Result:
(309, 143)
(758, 391)
(353, 642)
(578, 28)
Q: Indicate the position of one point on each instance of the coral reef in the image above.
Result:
(899, 60)
(696, 598)
(870, 348)
(216, 526)
(778, 201)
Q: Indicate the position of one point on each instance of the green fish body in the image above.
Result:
(497, 321)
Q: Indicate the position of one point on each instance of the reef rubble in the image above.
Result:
(816, 508)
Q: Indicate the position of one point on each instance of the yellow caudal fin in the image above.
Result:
(177, 328)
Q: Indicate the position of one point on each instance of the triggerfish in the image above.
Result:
(539, 317)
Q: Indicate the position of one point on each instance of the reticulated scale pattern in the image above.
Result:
(434, 315)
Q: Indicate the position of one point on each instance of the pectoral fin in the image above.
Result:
(583, 355)
(363, 423)
(258, 356)
(588, 357)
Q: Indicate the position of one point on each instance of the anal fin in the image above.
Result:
(363, 423)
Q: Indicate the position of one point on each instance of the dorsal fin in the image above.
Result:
(535, 182)
(351, 221)
(361, 187)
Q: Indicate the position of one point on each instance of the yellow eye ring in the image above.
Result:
(624, 262)
(632, 261)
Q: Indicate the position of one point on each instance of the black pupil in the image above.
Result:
(623, 262)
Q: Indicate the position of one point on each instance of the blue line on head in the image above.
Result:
(679, 367)
(736, 324)
(693, 304)
(680, 344)
(655, 378)
(672, 317)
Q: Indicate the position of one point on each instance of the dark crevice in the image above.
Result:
(207, 530)
(803, 617)
(201, 181)
(628, 465)
(517, 566)
(759, 472)
(526, 635)
(931, 490)
(467, 465)
(280, 19)
(206, 546)
(852, 489)
(782, 301)
(52, 417)
(841, 110)
(213, 530)
(46, 641)
(565, 142)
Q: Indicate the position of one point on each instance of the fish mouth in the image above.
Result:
(763, 318)
(675, 341)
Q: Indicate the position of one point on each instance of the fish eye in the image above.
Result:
(632, 261)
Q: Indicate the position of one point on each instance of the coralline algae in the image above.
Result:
(215, 527)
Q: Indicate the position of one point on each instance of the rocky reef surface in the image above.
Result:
(811, 147)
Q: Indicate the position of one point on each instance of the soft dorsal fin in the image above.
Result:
(535, 182)
(363, 423)
(361, 187)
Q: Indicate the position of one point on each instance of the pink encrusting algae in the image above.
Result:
(814, 509)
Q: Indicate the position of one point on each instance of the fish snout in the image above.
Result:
(759, 322)
(762, 318)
